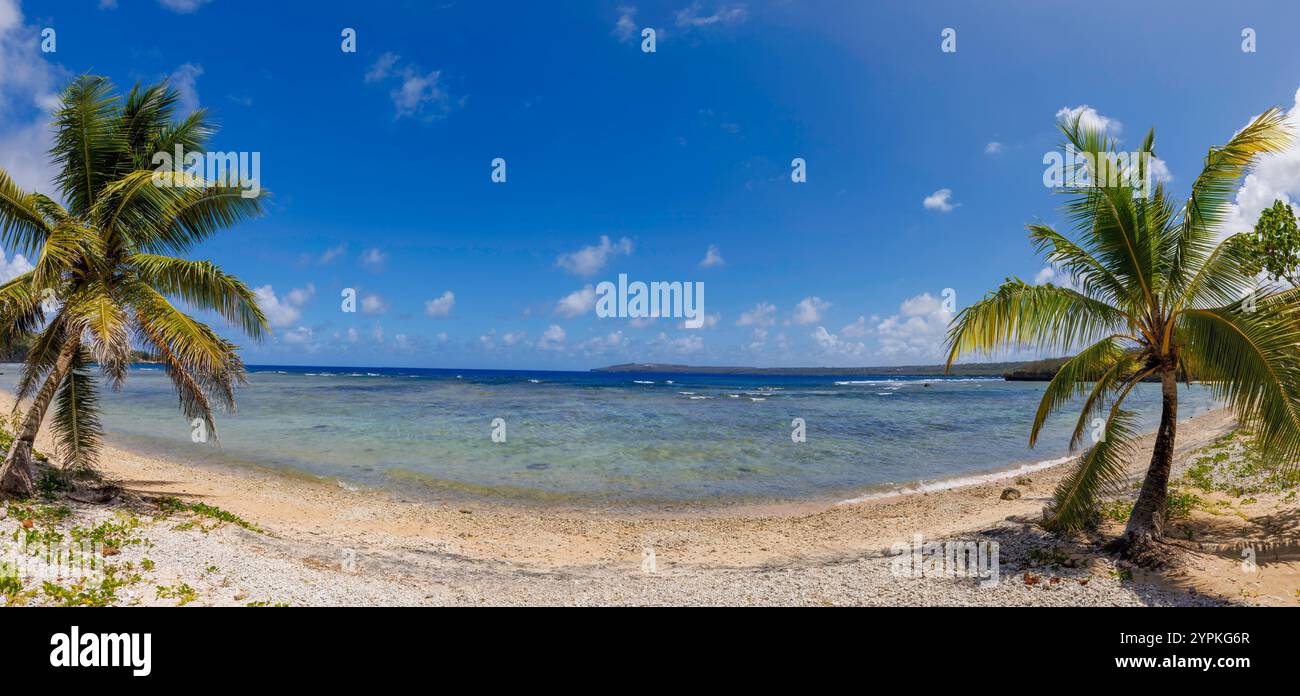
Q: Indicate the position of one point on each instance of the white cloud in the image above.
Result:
(599, 345)
(1275, 177)
(417, 90)
(184, 80)
(725, 14)
(181, 6)
(332, 253)
(590, 259)
(1160, 171)
(298, 297)
(514, 337)
(760, 317)
(1089, 119)
(1053, 274)
(552, 338)
(857, 329)
(712, 257)
(917, 331)
(299, 336)
(763, 314)
(283, 312)
(710, 321)
(24, 154)
(625, 28)
(577, 303)
(418, 93)
(441, 306)
(29, 87)
(373, 259)
(685, 345)
(993, 148)
(834, 345)
(382, 67)
(12, 268)
(939, 200)
(373, 304)
(809, 310)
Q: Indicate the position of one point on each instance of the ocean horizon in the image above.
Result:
(617, 439)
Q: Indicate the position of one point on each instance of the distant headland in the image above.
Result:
(1033, 371)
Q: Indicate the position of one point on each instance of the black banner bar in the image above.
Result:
(230, 646)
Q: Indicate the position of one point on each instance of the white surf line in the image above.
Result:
(961, 482)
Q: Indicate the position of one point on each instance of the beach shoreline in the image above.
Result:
(367, 546)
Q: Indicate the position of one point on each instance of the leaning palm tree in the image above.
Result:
(1154, 294)
(107, 269)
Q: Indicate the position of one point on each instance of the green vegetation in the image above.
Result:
(109, 246)
(10, 585)
(116, 534)
(183, 593)
(1036, 371)
(84, 593)
(1152, 294)
(1233, 465)
(1179, 505)
(1274, 247)
(170, 504)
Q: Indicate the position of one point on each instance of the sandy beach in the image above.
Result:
(316, 543)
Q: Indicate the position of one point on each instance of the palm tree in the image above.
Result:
(1153, 294)
(107, 262)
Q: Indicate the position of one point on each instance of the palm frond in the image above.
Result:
(146, 114)
(97, 314)
(70, 248)
(190, 133)
(41, 357)
(203, 285)
(1098, 472)
(1107, 214)
(77, 430)
(1207, 206)
(193, 397)
(23, 228)
(87, 144)
(21, 310)
(170, 212)
(1092, 278)
(192, 349)
(1225, 277)
(1046, 317)
(1096, 363)
(1251, 361)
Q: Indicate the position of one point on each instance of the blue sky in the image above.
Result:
(620, 161)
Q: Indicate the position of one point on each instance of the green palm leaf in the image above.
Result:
(1097, 473)
(76, 425)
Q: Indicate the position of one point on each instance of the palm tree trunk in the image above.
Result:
(16, 472)
(1146, 524)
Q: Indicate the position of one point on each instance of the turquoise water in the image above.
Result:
(592, 438)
